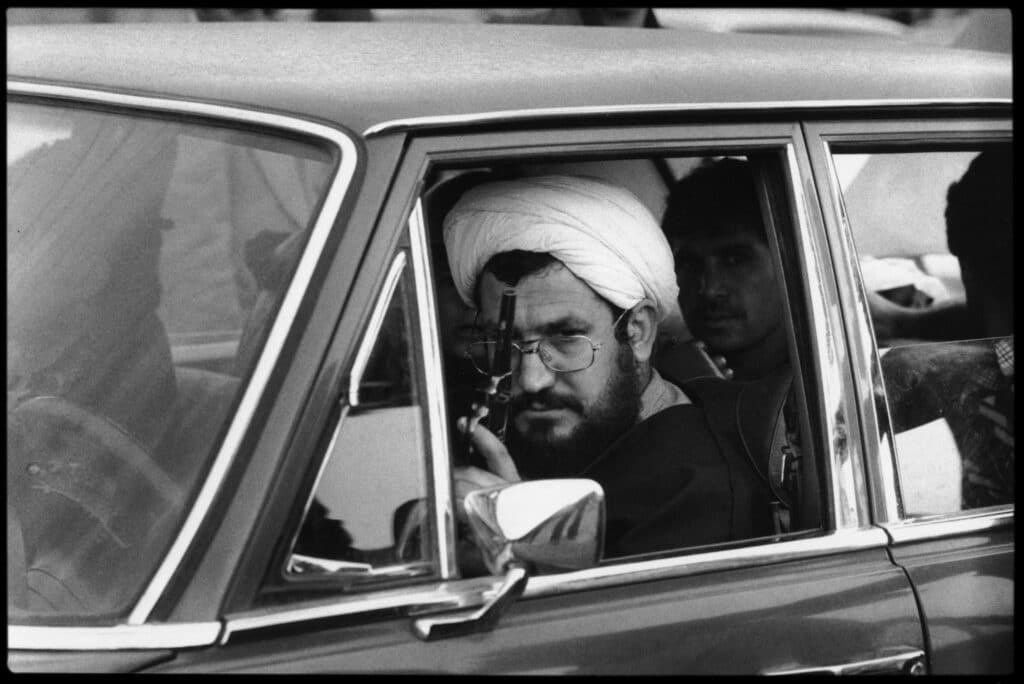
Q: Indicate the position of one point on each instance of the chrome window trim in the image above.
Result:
(946, 526)
(254, 389)
(115, 638)
(548, 113)
(849, 488)
(444, 513)
(439, 596)
(843, 541)
(476, 591)
(380, 310)
(860, 338)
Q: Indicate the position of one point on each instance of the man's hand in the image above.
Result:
(500, 468)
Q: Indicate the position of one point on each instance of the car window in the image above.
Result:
(933, 232)
(146, 258)
(367, 519)
(769, 435)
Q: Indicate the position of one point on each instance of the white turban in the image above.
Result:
(602, 233)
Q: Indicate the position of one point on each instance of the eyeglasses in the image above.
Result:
(560, 353)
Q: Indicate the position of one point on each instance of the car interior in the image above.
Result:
(769, 420)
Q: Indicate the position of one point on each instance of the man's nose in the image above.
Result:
(712, 284)
(532, 375)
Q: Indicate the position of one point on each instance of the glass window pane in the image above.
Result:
(933, 230)
(369, 508)
(146, 258)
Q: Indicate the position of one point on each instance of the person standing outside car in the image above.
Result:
(968, 383)
(728, 289)
(593, 276)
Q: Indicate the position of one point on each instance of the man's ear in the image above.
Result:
(642, 329)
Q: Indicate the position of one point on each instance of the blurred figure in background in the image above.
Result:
(970, 383)
(234, 14)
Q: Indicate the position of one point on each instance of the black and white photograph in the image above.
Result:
(489, 341)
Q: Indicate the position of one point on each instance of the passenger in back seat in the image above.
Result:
(731, 299)
(728, 290)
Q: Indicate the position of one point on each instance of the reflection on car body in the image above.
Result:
(229, 431)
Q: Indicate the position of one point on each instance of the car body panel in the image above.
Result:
(362, 79)
(965, 584)
(97, 662)
(836, 610)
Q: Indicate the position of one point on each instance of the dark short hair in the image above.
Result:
(712, 195)
(512, 266)
(979, 214)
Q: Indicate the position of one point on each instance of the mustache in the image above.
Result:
(543, 401)
(717, 309)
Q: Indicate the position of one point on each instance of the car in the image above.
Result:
(229, 430)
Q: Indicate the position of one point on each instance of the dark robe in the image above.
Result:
(681, 479)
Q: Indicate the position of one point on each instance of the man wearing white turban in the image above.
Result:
(594, 278)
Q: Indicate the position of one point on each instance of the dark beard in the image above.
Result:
(616, 411)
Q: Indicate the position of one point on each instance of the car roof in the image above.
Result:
(360, 75)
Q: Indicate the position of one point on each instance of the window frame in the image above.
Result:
(398, 272)
(918, 132)
(136, 630)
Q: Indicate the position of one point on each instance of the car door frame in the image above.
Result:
(941, 549)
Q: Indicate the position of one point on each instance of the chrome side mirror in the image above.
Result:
(543, 526)
(547, 525)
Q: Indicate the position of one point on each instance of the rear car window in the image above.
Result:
(934, 235)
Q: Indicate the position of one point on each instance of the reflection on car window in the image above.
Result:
(934, 235)
(367, 518)
(142, 269)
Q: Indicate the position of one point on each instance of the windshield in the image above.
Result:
(146, 259)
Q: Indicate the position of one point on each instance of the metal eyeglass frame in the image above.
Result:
(520, 347)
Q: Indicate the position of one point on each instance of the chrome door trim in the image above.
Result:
(549, 113)
(430, 344)
(845, 541)
(115, 638)
(469, 593)
(946, 526)
(849, 495)
(434, 597)
(907, 661)
(254, 389)
(380, 310)
(887, 503)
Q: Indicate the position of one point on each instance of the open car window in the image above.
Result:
(773, 435)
